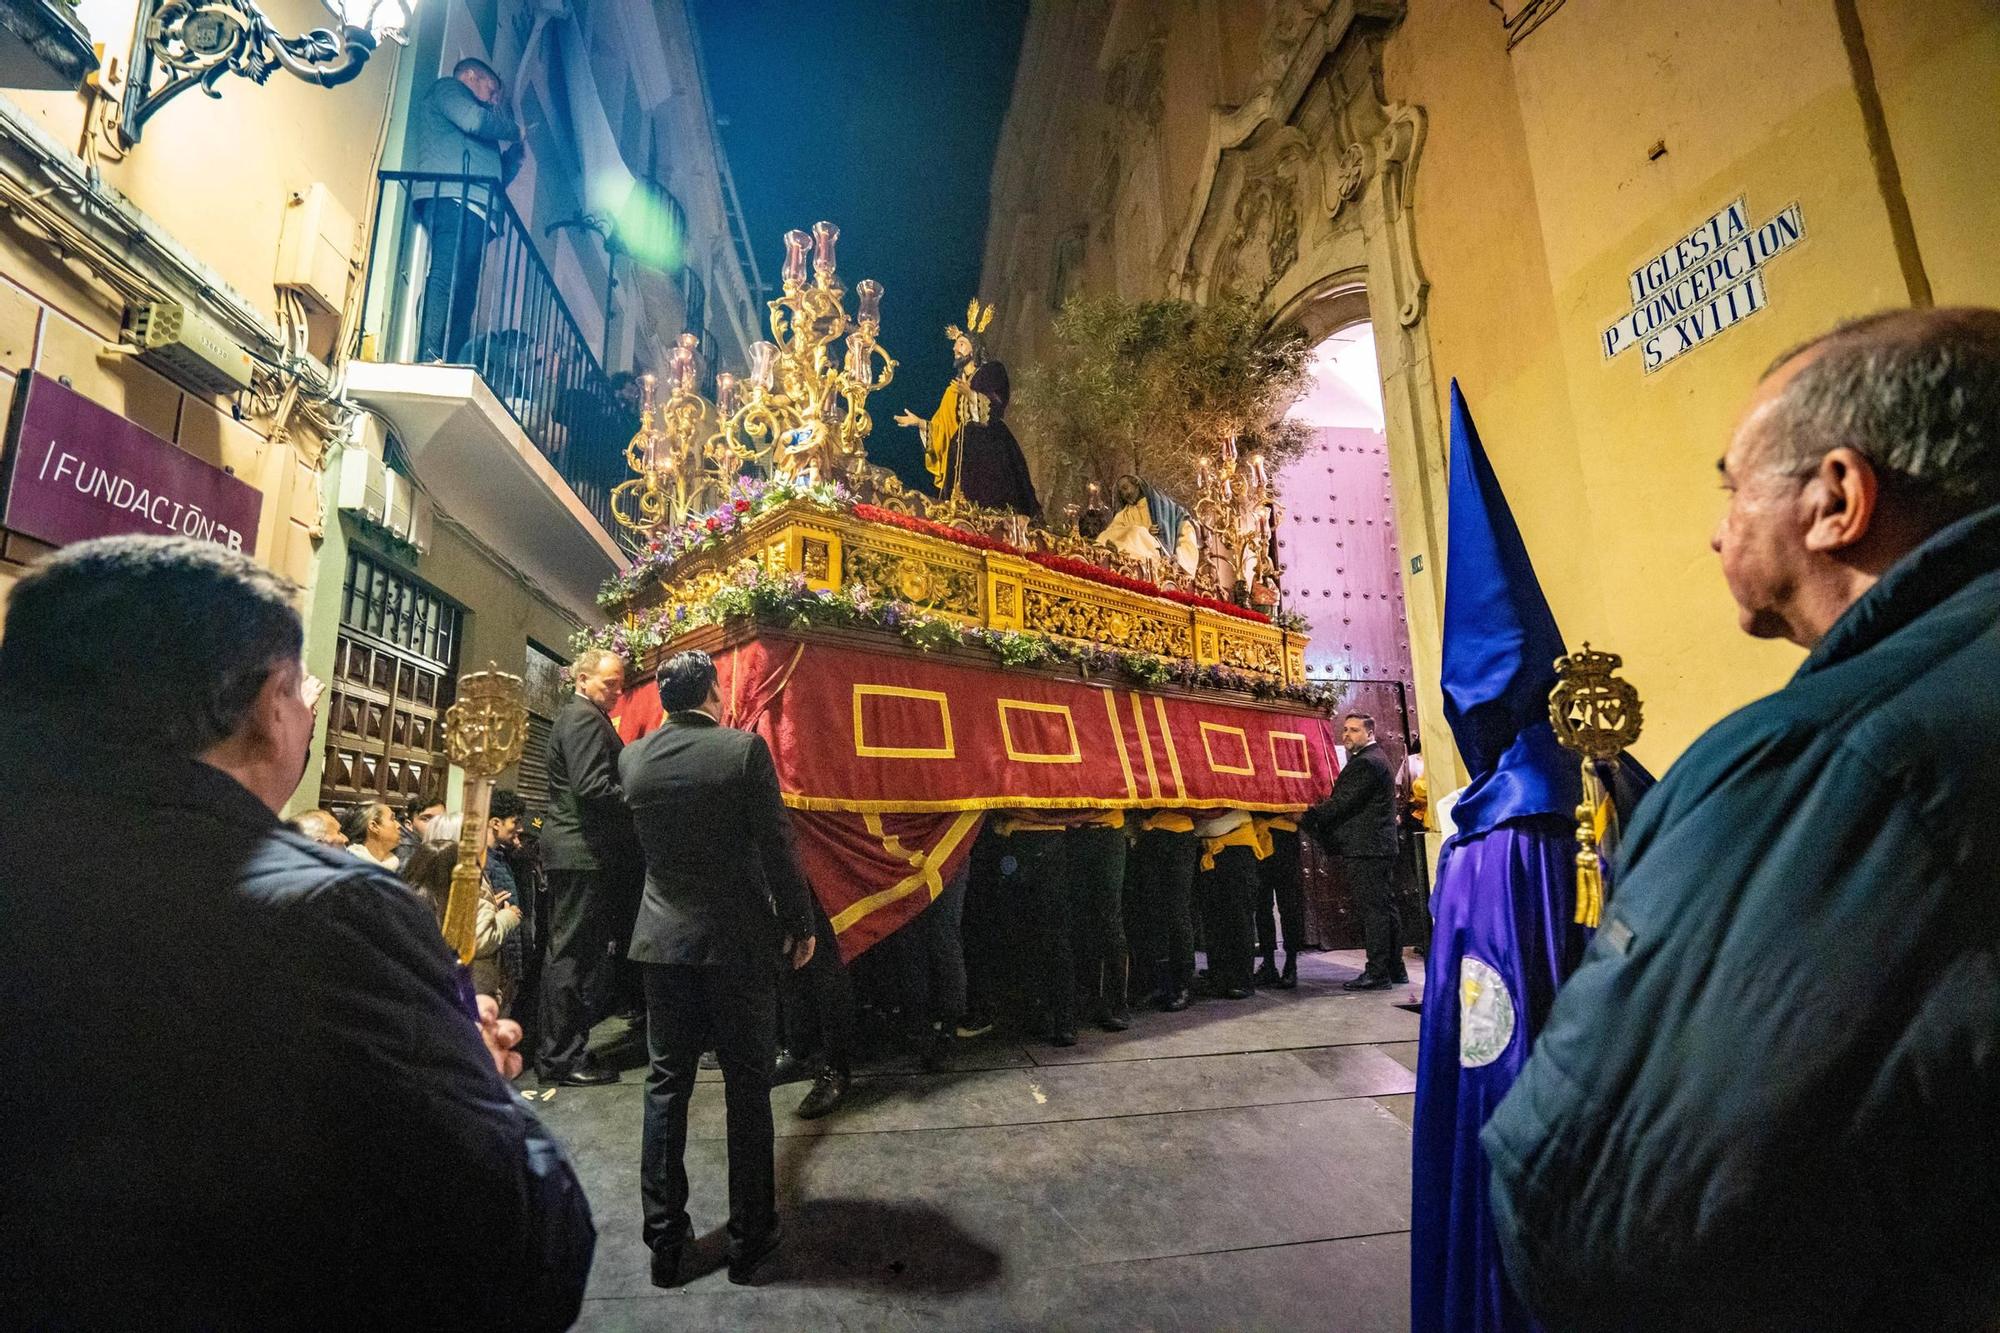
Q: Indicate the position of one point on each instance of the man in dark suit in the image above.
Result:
(289, 1114)
(591, 858)
(725, 900)
(1357, 822)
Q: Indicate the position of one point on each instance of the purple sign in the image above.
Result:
(77, 470)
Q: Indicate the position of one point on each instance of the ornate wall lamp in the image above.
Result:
(181, 44)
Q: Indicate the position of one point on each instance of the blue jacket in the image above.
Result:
(243, 1091)
(1770, 1097)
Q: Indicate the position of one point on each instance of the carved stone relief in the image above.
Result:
(1264, 242)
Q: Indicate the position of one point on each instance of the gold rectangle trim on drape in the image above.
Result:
(866, 751)
(1249, 766)
(1019, 756)
(1305, 750)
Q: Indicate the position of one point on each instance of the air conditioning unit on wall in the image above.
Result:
(386, 499)
(186, 348)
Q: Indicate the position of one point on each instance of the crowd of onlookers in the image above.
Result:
(421, 845)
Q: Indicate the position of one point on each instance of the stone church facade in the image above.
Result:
(1486, 185)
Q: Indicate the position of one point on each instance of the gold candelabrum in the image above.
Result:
(484, 732)
(1236, 509)
(800, 414)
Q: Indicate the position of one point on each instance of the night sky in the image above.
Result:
(880, 116)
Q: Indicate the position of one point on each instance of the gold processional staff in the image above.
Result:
(483, 734)
(1595, 715)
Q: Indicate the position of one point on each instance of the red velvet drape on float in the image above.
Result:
(890, 759)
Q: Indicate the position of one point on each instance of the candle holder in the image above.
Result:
(799, 414)
(1236, 512)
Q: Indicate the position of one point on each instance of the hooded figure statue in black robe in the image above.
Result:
(968, 449)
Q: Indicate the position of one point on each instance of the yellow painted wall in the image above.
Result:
(1939, 82)
(217, 176)
(1539, 189)
(216, 173)
(1611, 470)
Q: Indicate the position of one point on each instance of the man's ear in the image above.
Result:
(1842, 495)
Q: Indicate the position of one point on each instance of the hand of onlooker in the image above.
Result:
(501, 1035)
(310, 690)
(801, 951)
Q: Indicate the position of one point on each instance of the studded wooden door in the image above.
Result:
(394, 671)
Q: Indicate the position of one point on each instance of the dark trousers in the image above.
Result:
(583, 921)
(1097, 883)
(689, 1009)
(933, 960)
(1163, 934)
(1228, 894)
(1042, 872)
(819, 1001)
(1372, 878)
(1279, 884)
(451, 286)
(988, 941)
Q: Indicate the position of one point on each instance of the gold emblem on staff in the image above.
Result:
(483, 734)
(1595, 715)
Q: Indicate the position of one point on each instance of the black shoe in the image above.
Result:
(790, 1068)
(667, 1265)
(1267, 975)
(1236, 993)
(1400, 977)
(973, 1025)
(1289, 978)
(1367, 981)
(1115, 1018)
(743, 1262)
(1063, 1037)
(1178, 1001)
(935, 1052)
(826, 1093)
(584, 1076)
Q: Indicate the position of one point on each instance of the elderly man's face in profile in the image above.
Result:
(1761, 537)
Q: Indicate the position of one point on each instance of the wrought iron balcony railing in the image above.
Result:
(456, 280)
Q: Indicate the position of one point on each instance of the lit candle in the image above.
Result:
(1229, 451)
(1259, 477)
(763, 362)
(725, 395)
(647, 387)
(796, 245)
(683, 361)
(870, 293)
(825, 234)
(860, 364)
(1204, 475)
(1094, 494)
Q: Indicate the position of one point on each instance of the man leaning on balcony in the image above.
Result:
(459, 130)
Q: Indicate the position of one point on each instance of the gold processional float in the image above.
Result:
(833, 522)
(795, 429)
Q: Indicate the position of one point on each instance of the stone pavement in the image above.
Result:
(1240, 1165)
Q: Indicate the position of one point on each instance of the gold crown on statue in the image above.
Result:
(977, 318)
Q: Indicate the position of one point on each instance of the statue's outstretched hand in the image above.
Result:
(909, 418)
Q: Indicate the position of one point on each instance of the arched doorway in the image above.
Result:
(1343, 557)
